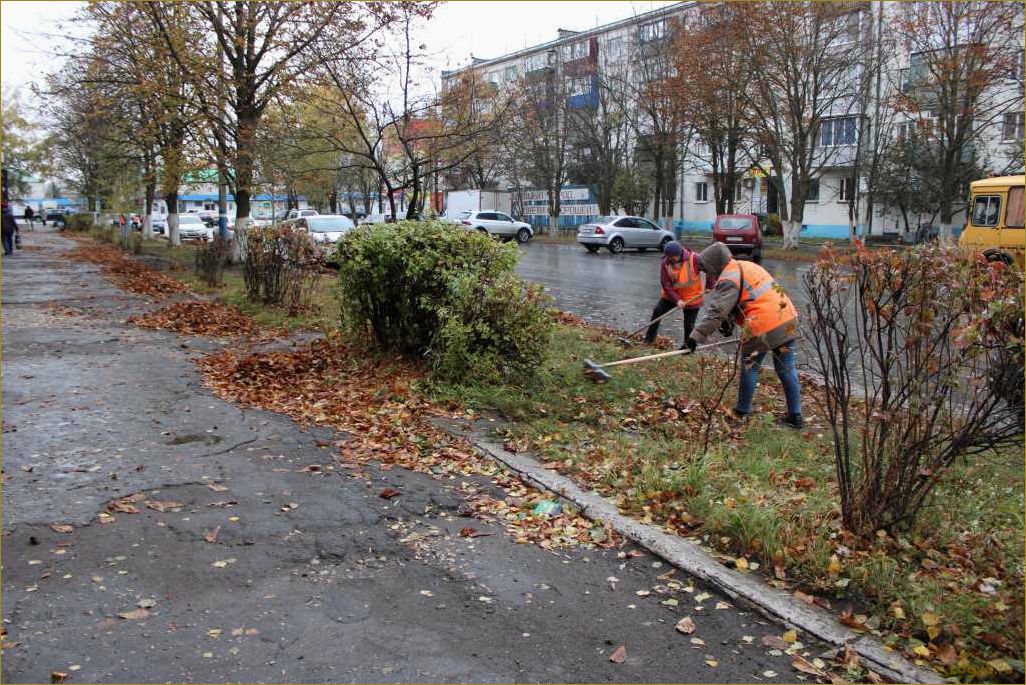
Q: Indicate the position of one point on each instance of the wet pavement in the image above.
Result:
(621, 290)
(311, 576)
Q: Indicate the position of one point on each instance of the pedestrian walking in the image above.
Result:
(30, 216)
(747, 294)
(8, 229)
(680, 286)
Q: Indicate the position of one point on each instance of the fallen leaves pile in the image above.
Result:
(196, 317)
(126, 272)
(329, 383)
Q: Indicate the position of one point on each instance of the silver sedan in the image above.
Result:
(617, 233)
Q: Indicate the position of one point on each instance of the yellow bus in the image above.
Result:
(994, 225)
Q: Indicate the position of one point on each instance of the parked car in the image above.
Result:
(497, 224)
(617, 233)
(324, 229)
(377, 219)
(296, 213)
(55, 216)
(741, 234)
(207, 216)
(159, 224)
(191, 227)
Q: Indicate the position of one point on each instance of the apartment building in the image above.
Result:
(583, 62)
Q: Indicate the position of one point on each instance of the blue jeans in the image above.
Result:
(8, 243)
(787, 372)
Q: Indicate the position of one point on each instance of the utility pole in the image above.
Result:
(222, 191)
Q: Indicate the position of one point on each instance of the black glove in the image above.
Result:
(691, 344)
(727, 328)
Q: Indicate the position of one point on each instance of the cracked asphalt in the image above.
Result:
(312, 577)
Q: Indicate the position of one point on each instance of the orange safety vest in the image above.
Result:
(686, 282)
(764, 305)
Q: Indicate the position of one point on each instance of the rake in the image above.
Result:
(626, 340)
(597, 372)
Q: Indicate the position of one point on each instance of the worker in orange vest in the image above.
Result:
(748, 293)
(680, 286)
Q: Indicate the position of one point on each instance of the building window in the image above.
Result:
(701, 192)
(739, 191)
(1018, 70)
(536, 62)
(579, 85)
(654, 31)
(906, 130)
(578, 50)
(813, 190)
(509, 74)
(1012, 127)
(834, 132)
(846, 190)
(615, 50)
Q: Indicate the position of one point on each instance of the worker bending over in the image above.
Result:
(680, 287)
(747, 294)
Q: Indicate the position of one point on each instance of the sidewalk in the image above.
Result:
(153, 532)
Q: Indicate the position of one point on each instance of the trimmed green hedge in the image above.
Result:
(451, 295)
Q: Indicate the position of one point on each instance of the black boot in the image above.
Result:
(792, 421)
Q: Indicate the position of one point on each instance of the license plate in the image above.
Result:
(734, 239)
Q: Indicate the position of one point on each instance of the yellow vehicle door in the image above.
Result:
(1013, 235)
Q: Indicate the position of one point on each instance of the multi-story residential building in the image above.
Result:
(580, 65)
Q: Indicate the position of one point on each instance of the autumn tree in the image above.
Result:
(242, 55)
(24, 150)
(711, 85)
(960, 57)
(804, 56)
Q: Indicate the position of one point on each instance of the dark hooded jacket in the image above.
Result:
(721, 296)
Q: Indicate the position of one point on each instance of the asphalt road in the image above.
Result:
(344, 587)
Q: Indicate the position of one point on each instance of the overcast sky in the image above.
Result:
(458, 30)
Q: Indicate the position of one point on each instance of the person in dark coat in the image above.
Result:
(30, 216)
(9, 228)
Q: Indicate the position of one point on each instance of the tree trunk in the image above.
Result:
(172, 218)
(151, 191)
(791, 229)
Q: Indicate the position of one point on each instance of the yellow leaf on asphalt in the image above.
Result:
(711, 663)
(790, 636)
(697, 641)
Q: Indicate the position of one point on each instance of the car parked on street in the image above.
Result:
(377, 219)
(497, 224)
(618, 233)
(296, 213)
(741, 234)
(191, 227)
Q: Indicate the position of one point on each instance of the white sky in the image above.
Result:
(457, 31)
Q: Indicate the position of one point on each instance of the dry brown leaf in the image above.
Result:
(61, 528)
(774, 642)
(162, 506)
(388, 493)
(58, 676)
(217, 487)
(686, 625)
(802, 664)
(211, 535)
(134, 614)
(619, 655)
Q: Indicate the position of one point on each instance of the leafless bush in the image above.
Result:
(280, 266)
(210, 260)
(917, 350)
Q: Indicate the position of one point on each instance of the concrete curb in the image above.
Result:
(695, 561)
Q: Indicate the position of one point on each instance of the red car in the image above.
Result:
(740, 233)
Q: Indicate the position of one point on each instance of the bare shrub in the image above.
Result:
(280, 266)
(910, 345)
(210, 260)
